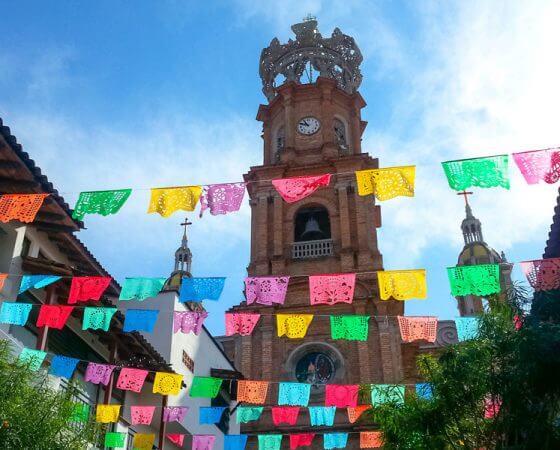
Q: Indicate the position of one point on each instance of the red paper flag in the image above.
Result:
(177, 439)
(341, 395)
(285, 414)
(297, 188)
(301, 440)
(87, 288)
(54, 316)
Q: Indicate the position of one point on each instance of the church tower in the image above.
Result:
(312, 125)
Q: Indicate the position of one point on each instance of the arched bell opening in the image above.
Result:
(312, 223)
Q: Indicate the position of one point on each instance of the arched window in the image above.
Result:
(279, 143)
(341, 136)
(312, 224)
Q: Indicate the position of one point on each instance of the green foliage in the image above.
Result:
(35, 416)
(520, 367)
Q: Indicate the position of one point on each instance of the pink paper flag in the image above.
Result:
(177, 439)
(332, 288)
(242, 324)
(539, 165)
(492, 407)
(83, 289)
(188, 321)
(285, 414)
(341, 395)
(301, 440)
(266, 290)
(203, 441)
(297, 188)
(418, 328)
(99, 373)
(174, 413)
(222, 198)
(142, 415)
(131, 379)
(542, 274)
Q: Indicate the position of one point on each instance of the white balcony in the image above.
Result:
(312, 249)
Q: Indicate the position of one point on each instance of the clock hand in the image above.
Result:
(304, 123)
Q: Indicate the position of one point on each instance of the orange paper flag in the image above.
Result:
(22, 207)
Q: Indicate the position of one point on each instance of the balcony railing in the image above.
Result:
(312, 249)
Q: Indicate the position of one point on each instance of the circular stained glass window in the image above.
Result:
(314, 368)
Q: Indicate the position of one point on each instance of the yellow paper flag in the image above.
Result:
(293, 325)
(167, 383)
(107, 413)
(387, 183)
(143, 441)
(402, 284)
(165, 201)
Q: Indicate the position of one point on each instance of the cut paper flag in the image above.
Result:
(141, 288)
(140, 320)
(54, 316)
(301, 440)
(205, 387)
(142, 415)
(83, 289)
(269, 441)
(32, 358)
(297, 188)
(63, 366)
(99, 373)
(402, 284)
(387, 183)
(322, 415)
(424, 391)
(295, 394)
(241, 323)
(480, 280)
(115, 440)
(174, 413)
(245, 414)
(492, 407)
(355, 413)
(98, 318)
(198, 289)
(341, 395)
(418, 328)
(542, 274)
(143, 441)
(387, 393)
(371, 439)
(107, 413)
(491, 171)
(210, 414)
(252, 391)
(167, 383)
(22, 207)
(176, 439)
(334, 440)
(188, 321)
(350, 328)
(235, 441)
(203, 441)
(332, 288)
(80, 412)
(14, 313)
(131, 379)
(467, 328)
(222, 198)
(287, 415)
(166, 201)
(539, 165)
(100, 202)
(3, 278)
(294, 326)
(266, 290)
(36, 281)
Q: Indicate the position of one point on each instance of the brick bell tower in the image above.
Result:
(313, 126)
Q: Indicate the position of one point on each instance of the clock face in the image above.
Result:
(308, 125)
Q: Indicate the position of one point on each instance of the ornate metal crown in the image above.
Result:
(337, 57)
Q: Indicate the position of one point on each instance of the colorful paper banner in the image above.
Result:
(402, 284)
(100, 202)
(266, 290)
(166, 201)
(329, 289)
(480, 280)
(298, 188)
(198, 289)
(491, 171)
(387, 183)
(350, 328)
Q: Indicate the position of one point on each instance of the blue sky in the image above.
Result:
(105, 95)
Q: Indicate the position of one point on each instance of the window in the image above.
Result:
(188, 361)
(315, 368)
(25, 247)
(312, 224)
(279, 143)
(340, 136)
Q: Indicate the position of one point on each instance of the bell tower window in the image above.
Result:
(279, 143)
(340, 136)
(312, 224)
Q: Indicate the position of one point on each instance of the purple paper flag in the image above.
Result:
(266, 290)
(188, 321)
(203, 441)
(222, 198)
(174, 413)
(99, 373)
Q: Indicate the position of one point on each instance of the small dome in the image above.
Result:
(478, 253)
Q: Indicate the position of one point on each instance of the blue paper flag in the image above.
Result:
(424, 390)
(36, 281)
(198, 289)
(63, 366)
(14, 313)
(467, 328)
(322, 415)
(334, 440)
(296, 394)
(140, 320)
(235, 441)
(210, 414)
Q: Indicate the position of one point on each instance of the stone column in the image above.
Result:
(261, 233)
(346, 252)
(278, 231)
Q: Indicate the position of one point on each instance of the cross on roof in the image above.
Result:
(185, 224)
(464, 193)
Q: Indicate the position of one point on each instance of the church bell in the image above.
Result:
(312, 231)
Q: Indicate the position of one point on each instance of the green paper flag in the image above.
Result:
(97, 318)
(205, 387)
(483, 279)
(141, 288)
(33, 358)
(270, 441)
(100, 202)
(248, 413)
(387, 393)
(351, 328)
(80, 413)
(486, 172)
(115, 440)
